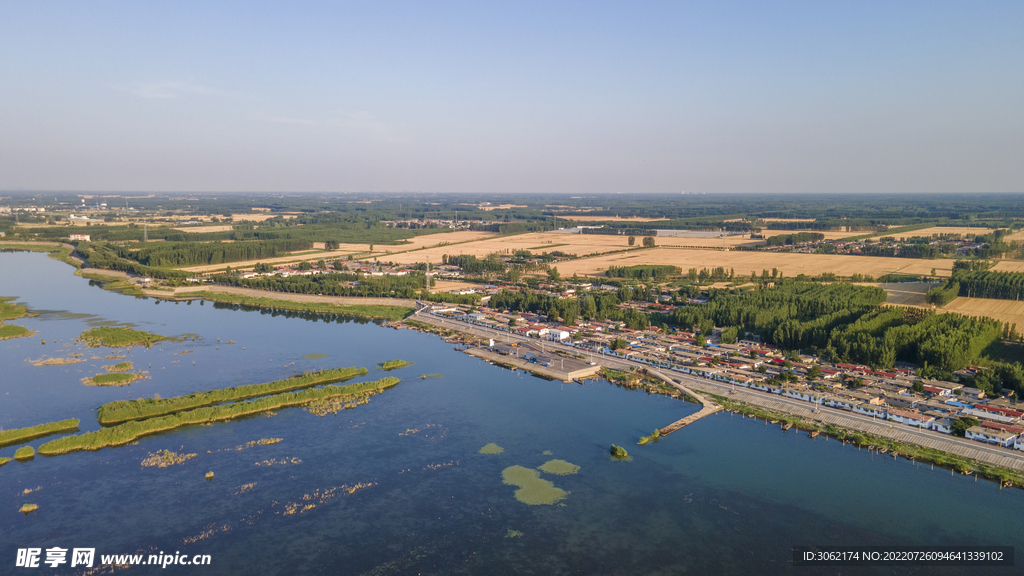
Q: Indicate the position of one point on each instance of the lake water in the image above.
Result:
(727, 495)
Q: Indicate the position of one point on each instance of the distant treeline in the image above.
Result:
(790, 239)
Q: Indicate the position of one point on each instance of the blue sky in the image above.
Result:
(578, 97)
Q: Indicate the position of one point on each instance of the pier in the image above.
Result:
(707, 407)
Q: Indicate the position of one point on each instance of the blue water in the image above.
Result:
(727, 495)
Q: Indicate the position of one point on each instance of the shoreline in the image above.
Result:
(988, 465)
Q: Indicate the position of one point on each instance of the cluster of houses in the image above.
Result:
(896, 395)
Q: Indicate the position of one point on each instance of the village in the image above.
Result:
(898, 395)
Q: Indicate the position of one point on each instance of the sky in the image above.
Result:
(513, 97)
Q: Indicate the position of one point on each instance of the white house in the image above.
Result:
(1005, 439)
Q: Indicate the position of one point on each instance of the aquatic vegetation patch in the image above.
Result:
(364, 310)
(314, 356)
(393, 364)
(116, 379)
(24, 453)
(117, 356)
(8, 331)
(18, 435)
(654, 437)
(28, 508)
(183, 352)
(327, 406)
(279, 462)
(126, 410)
(547, 453)
(165, 459)
(491, 448)
(130, 431)
(245, 488)
(9, 310)
(4, 460)
(433, 375)
(513, 534)
(44, 361)
(310, 501)
(559, 467)
(618, 452)
(532, 489)
(124, 337)
(119, 367)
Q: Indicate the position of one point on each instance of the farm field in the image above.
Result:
(829, 234)
(579, 244)
(259, 217)
(346, 249)
(906, 293)
(790, 264)
(1011, 311)
(1009, 266)
(927, 232)
(570, 216)
(197, 229)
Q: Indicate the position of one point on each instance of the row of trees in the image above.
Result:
(474, 265)
(170, 254)
(790, 239)
(643, 271)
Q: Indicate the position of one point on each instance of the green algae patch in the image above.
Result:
(24, 453)
(547, 453)
(532, 489)
(559, 468)
(314, 356)
(513, 534)
(492, 448)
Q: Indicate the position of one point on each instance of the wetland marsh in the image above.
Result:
(432, 466)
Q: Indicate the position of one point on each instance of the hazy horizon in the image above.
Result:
(571, 97)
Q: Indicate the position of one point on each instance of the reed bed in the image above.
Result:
(125, 410)
(19, 435)
(130, 431)
(119, 367)
(116, 379)
(119, 337)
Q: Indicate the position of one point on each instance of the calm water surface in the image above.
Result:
(727, 495)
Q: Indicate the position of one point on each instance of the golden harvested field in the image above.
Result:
(200, 229)
(579, 244)
(829, 234)
(501, 207)
(1009, 266)
(790, 264)
(449, 285)
(380, 251)
(607, 218)
(1011, 311)
(259, 217)
(928, 232)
